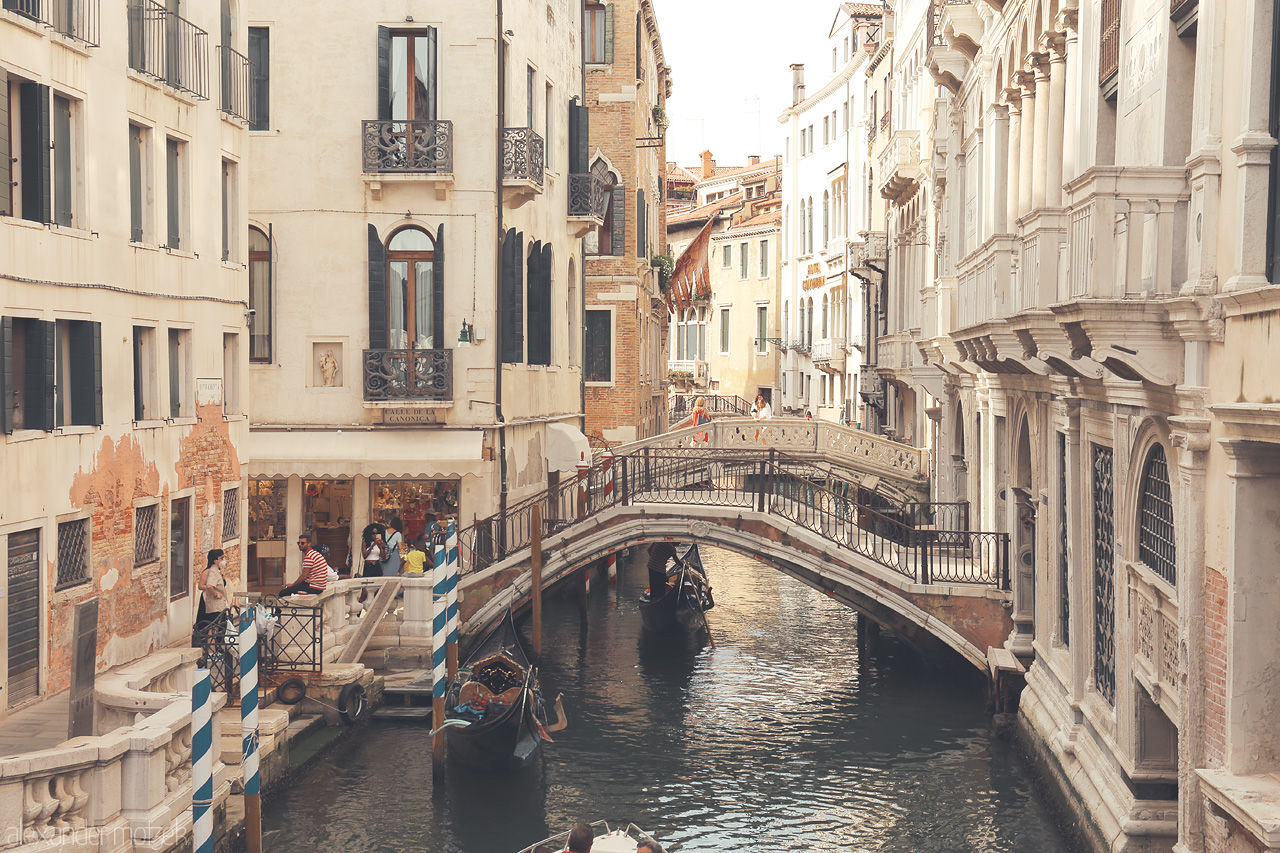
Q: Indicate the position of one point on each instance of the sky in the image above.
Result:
(730, 69)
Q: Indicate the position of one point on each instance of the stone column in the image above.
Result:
(1013, 96)
(997, 146)
(1054, 141)
(1040, 151)
(1026, 165)
(1071, 100)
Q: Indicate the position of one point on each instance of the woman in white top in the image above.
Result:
(213, 595)
(761, 411)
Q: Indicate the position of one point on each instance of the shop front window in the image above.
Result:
(418, 503)
(268, 545)
(326, 505)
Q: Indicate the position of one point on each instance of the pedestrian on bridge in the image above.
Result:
(701, 416)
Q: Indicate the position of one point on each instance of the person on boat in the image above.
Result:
(581, 837)
(649, 846)
(659, 554)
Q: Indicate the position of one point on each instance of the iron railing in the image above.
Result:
(77, 19)
(523, 155)
(237, 90)
(73, 553)
(169, 48)
(423, 147)
(293, 641)
(926, 543)
(588, 197)
(408, 374)
(717, 404)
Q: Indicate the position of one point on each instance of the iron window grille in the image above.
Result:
(1104, 606)
(230, 514)
(146, 534)
(73, 553)
(1156, 546)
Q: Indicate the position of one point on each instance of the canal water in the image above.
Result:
(779, 739)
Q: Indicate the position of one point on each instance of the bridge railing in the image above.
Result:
(927, 543)
(717, 404)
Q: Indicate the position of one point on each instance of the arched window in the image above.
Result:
(1155, 518)
(809, 332)
(259, 297)
(825, 312)
(809, 232)
(826, 219)
(610, 237)
(414, 315)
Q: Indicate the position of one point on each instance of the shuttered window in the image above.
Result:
(512, 310)
(598, 33)
(78, 373)
(6, 166)
(63, 169)
(260, 56)
(539, 274)
(598, 346)
(27, 373)
(34, 150)
(579, 138)
(138, 183)
(175, 190)
(259, 297)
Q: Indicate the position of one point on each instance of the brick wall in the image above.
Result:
(1215, 640)
(1222, 834)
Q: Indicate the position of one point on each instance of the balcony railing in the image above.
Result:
(77, 19)
(168, 48)
(523, 155)
(588, 197)
(408, 374)
(424, 147)
(237, 84)
(829, 350)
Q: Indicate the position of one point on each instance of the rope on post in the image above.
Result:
(201, 764)
(248, 643)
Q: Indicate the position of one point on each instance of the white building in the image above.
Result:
(823, 207)
(418, 288)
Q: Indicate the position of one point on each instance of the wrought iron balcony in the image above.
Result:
(77, 19)
(524, 156)
(169, 48)
(588, 197)
(408, 374)
(236, 96)
(424, 147)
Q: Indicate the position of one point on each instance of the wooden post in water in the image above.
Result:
(439, 637)
(535, 568)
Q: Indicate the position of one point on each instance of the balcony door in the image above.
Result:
(411, 297)
(410, 66)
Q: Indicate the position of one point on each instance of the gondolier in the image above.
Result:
(678, 599)
(659, 554)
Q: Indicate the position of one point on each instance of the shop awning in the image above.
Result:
(566, 446)
(388, 453)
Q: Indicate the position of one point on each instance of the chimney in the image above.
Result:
(797, 83)
(708, 165)
(753, 160)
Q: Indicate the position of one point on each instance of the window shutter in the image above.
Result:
(271, 292)
(377, 291)
(579, 138)
(619, 221)
(437, 284)
(533, 298)
(6, 169)
(608, 34)
(384, 74)
(432, 65)
(539, 290)
(86, 373)
(36, 201)
(641, 224)
(6, 375)
(38, 402)
(138, 409)
(513, 298)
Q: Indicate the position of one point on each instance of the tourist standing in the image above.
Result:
(701, 416)
(210, 616)
(395, 538)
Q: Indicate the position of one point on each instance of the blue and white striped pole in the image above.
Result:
(201, 764)
(439, 635)
(249, 730)
(452, 565)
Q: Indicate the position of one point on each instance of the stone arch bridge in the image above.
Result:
(828, 520)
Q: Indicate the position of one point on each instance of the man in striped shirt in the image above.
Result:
(315, 571)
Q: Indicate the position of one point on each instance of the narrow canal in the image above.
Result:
(779, 739)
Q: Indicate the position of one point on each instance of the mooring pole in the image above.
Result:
(452, 567)
(535, 568)
(248, 648)
(439, 636)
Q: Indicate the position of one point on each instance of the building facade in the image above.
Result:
(628, 83)
(823, 212)
(417, 327)
(1082, 254)
(123, 292)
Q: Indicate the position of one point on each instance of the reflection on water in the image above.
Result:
(779, 739)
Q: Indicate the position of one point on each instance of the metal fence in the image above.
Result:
(237, 90)
(925, 542)
(169, 48)
(293, 641)
(717, 404)
(77, 19)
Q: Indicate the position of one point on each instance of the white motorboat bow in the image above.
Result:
(606, 841)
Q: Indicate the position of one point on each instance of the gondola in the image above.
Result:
(681, 608)
(496, 693)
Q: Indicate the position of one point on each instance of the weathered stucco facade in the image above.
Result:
(123, 293)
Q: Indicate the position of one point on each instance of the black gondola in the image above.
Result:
(497, 693)
(681, 607)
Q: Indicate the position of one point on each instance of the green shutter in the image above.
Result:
(38, 400)
(608, 34)
(139, 411)
(36, 201)
(437, 284)
(579, 138)
(377, 291)
(619, 246)
(384, 74)
(6, 375)
(512, 310)
(6, 168)
(85, 341)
